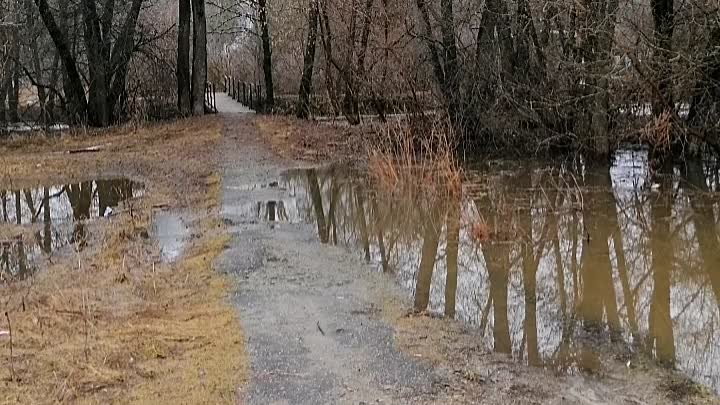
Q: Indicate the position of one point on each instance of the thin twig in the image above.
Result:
(12, 363)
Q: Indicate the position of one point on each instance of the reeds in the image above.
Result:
(418, 166)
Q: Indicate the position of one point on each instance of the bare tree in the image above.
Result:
(303, 109)
(183, 57)
(199, 70)
(267, 64)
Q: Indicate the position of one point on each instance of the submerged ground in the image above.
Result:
(231, 269)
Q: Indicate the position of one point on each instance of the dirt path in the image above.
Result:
(227, 106)
(313, 330)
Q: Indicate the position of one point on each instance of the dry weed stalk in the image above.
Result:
(10, 334)
(658, 132)
(419, 167)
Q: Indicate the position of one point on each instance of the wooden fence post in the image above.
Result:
(212, 88)
(250, 105)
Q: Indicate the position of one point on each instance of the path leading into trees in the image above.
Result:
(226, 105)
(309, 312)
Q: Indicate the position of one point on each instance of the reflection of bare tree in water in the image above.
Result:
(598, 298)
(13, 260)
(586, 258)
(431, 238)
(111, 192)
(362, 220)
(30, 203)
(380, 227)
(531, 256)
(497, 259)
(3, 202)
(80, 196)
(47, 222)
(705, 224)
(660, 323)
(316, 197)
(454, 212)
(18, 208)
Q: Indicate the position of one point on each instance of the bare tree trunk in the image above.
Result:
(12, 81)
(98, 108)
(445, 60)
(52, 96)
(303, 110)
(327, 40)
(183, 57)
(663, 17)
(199, 69)
(73, 86)
(267, 55)
(597, 50)
(120, 60)
(348, 73)
(705, 101)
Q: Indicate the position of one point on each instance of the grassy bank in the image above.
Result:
(111, 323)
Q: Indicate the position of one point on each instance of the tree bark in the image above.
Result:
(303, 110)
(120, 59)
(267, 55)
(327, 40)
(183, 57)
(74, 91)
(98, 111)
(199, 69)
(704, 103)
(663, 17)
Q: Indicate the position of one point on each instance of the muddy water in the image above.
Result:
(553, 263)
(57, 215)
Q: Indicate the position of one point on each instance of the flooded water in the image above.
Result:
(58, 215)
(171, 233)
(551, 262)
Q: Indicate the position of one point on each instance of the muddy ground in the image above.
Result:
(251, 312)
(111, 323)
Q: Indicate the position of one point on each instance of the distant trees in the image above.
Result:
(98, 62)
(107, 60)
(560, 73)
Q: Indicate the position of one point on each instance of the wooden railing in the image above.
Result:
(248, 94)
(210, 105)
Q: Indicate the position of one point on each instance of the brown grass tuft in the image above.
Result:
(404, 163)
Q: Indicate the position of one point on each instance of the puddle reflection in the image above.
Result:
(171, 234)
(549, 262)
(58, 215)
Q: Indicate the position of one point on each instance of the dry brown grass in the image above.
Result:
(422, 168)
(110, 324)
(658, 132)
(309, 141)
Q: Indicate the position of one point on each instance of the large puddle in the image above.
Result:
(552, 262)
(58, 216)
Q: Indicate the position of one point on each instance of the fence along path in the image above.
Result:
(226, 105)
